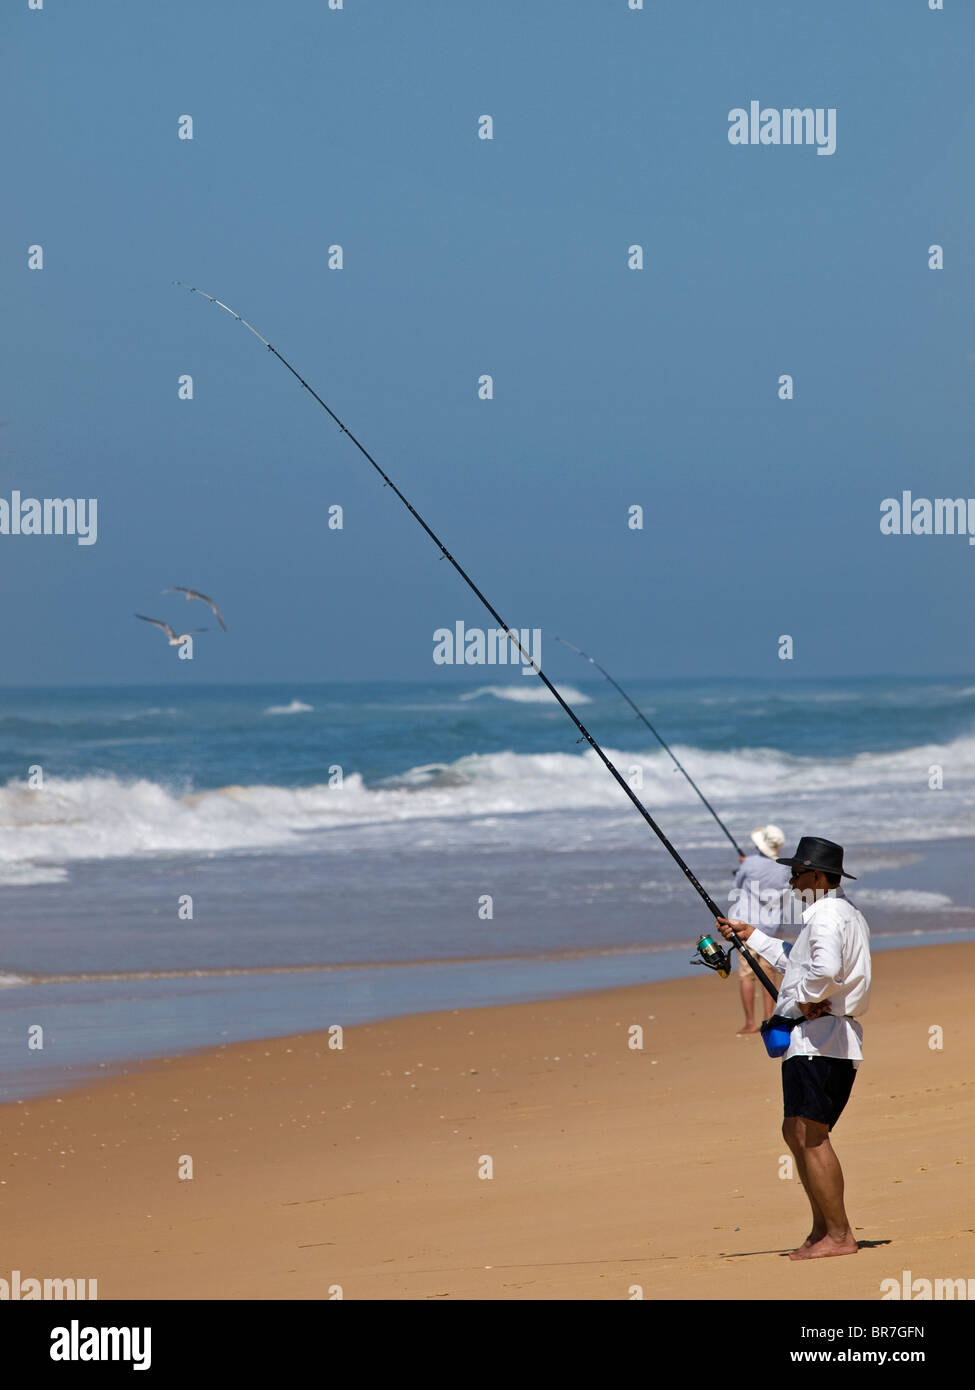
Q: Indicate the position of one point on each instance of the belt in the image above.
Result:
(802, 1018)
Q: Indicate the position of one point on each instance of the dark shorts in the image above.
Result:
(817, 1087)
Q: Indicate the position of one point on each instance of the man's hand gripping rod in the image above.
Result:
(716, 958)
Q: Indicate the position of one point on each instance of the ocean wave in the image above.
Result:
(24, 874)
(873, 799)
(296, 707)
(533, 694)
(24, 723)
(569, 953)
(150, 713)
(906, 900)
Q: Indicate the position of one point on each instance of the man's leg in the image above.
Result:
(790, 1133)
(822, 1179)
(746, 983)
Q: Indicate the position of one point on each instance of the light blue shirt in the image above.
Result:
(761, 895)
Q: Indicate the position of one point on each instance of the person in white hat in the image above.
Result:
(760, 896)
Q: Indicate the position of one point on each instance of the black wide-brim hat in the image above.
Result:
(813, 853)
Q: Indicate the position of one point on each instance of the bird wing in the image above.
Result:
(158, 623)
(216, 610)
(205, 598)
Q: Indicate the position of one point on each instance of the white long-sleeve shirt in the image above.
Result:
(830, 959)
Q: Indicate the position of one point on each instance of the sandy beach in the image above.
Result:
(317, 1169)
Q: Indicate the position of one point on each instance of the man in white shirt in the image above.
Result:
(825, 988)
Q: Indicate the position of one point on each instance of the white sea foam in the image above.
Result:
(872, 798)
(25, 874)
(296, 707)
(533, 694)
(904, 900)
(149, 713)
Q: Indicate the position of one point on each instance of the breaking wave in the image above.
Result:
(533, 694)
(871, 798)
(905, 900)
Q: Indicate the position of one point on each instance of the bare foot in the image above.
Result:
(746, 1029)
(824, 1247)
(813, 1238)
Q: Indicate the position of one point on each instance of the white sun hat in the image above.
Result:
(769, 839)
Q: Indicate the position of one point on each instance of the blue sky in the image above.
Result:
(463, 256)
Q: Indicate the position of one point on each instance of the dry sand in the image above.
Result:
(612, 1167)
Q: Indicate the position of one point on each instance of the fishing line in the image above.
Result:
(713, 956)
(640, 715)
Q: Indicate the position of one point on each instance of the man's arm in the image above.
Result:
(816, 1010)
(776, 952)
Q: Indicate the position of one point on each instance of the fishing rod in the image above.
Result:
(640, 715)
(711, 955)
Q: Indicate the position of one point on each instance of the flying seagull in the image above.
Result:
(195, 593)
(175, 640)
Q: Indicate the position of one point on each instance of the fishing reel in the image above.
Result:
(713, 956)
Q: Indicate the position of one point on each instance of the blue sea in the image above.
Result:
(184, 867)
